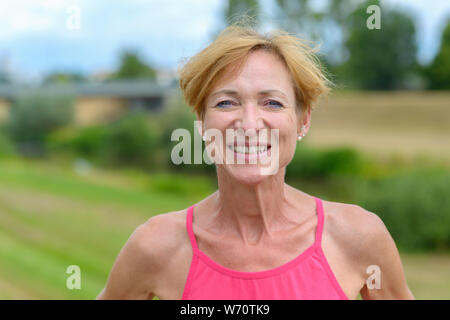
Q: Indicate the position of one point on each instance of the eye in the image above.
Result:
(274, 104)
(224, 104)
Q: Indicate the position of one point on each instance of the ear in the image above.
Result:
(304, 122)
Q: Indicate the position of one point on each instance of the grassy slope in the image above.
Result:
(51, 218)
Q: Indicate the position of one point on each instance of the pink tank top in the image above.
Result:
(306, 277)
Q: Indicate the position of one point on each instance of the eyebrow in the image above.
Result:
(235, 93)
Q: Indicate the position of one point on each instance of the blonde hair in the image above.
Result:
(231, 48)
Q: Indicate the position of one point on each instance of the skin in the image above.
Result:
(258, 216)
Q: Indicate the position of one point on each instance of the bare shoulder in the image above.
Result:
(363, 238)
(144, 257)
(161, 234)
(354, 226)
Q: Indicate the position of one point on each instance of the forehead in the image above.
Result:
(260, 70)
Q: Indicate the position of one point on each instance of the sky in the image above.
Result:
(42, 36)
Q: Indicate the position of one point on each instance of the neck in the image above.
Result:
(252, 211)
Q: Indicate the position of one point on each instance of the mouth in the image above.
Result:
(249, 149)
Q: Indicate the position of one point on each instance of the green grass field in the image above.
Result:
(51, 217)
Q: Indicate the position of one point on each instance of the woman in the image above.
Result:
(257, 237)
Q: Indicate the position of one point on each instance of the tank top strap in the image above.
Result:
(189, 217)
(320, 218)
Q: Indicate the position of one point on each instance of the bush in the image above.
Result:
(414, 205)
(85, 142)
(314, 163)
(34, 115)
(89, 141)
(132, 140)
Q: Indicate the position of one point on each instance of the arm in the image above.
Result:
(380, 251)
(138, 265)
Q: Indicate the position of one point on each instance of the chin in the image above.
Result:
(247, 174)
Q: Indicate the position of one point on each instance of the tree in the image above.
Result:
(243, 12)
(438, 73)
(325, 24)
(380, 59)
(132, 67)
(34, 115)
(237, 9)
(364, 58)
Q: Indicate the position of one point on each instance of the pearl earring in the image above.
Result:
(301, 135)
(203, 138)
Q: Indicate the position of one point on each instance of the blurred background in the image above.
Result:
(89, 99)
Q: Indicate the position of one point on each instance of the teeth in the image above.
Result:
(249, 150)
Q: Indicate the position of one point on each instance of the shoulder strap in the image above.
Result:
(320, 219)
(189, 218)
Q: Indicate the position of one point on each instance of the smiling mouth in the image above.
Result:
(245, 149)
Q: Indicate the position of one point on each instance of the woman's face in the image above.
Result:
(259, 96)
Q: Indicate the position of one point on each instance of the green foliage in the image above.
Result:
(131, 141)
(132, 67)
(298, 16)
(438, 73)
(90, 140)
(414, 205)
(325, 25)
(380, 59)
(85, 142)
(315, 163)
(35, 115)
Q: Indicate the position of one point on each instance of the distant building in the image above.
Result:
(97, 102)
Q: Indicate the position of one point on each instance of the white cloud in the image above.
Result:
(23, 17)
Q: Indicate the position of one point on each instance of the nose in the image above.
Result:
(250, 118)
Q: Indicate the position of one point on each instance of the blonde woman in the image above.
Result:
(257, 237)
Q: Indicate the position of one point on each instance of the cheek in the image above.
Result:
(218, 120)
(288, 128)
(288, 139)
